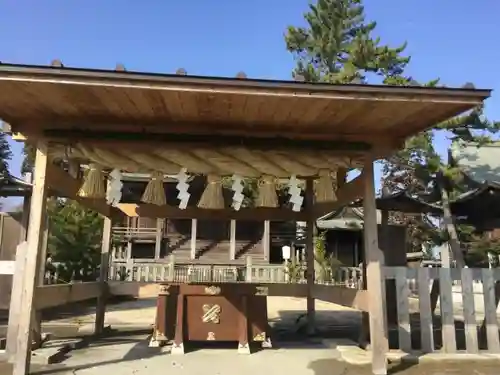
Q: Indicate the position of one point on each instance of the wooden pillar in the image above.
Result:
(17, 279)
(42, 259)
(310, 259)
(232, 240)
(40, 279)
(194, 227)
(159, 237)
(15, 303)
(374, 273)
(103, 277)
(395, 258)
(266, 239)
(36, 221)
(128, 251)
(248, 277)
(28, 177)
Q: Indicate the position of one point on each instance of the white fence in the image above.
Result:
(476, 312)
(143, 270)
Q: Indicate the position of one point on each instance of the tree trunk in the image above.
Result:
(449, 224)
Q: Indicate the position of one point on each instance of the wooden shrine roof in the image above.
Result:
(479, 162)
(11, 186)
(54, 99)
(403, 201)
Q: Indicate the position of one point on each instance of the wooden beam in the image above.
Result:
(17, 280)
(232, 240)
(310, 258)
(346, 194)
(266, 239)
(160, 228)
(257, 214)
(179, 135)
(134, 289)
(354, 298)
(15, 303)
(60, 181)
(103, 276)
(151, 135)
(374, 259)
(36, 221)
(194, 235)
(148, 290)
(40, 278)
(62, 294)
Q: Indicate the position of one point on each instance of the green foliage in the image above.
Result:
(327, 263)
(295, 270)
(419, 169)
(5, 154)
(28, 163)
(75, 233)
(478, 246)
(337, 46)
(74, 240)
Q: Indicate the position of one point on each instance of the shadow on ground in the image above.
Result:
(334, 367)
(347, 324)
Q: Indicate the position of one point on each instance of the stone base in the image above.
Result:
(177, 349)
(154, 343)
(243, 349)
(267, 344)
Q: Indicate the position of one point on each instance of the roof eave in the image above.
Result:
(108, 77)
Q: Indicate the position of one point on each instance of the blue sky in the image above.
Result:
(455, 40)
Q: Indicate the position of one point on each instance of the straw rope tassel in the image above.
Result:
(155, 192)
(212, 197)
(324, 187)
(93, 185)
(267, 192)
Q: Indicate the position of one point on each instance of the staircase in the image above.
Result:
(214, 252)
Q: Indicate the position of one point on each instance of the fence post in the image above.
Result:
(130, 269)
(249, 269)
(171, 268)
(286, 269)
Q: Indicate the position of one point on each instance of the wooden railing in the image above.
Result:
(142, 270)
(128, 232)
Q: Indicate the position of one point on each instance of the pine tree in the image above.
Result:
(419, 169)
(5, 154)
(74, 233)
(74, 240)
(337, 46)
(28, 163)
